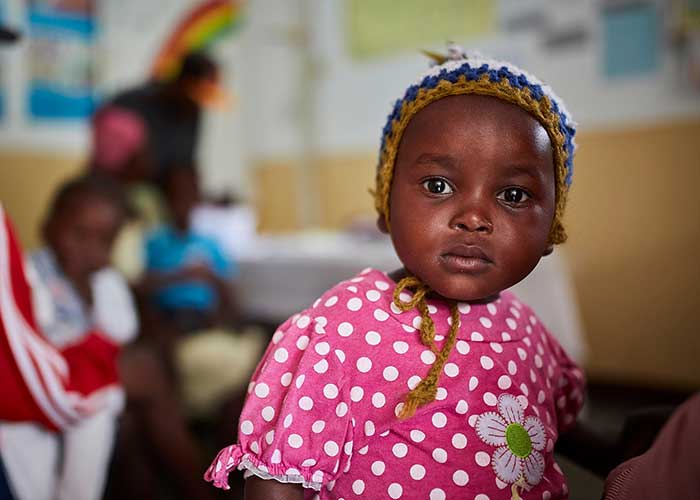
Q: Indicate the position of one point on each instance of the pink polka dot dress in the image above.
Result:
(323, 403)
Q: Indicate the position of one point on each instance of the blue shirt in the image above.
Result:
(170, 251)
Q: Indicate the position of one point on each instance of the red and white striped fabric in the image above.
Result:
(39, 383)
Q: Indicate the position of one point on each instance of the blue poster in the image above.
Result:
(61, 60)
(631, 39)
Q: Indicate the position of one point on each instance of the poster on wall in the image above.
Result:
(60, 59)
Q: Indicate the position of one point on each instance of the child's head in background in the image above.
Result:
(180, 185)
(82, 223)
(474, 171)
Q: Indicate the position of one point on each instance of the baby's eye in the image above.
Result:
(436, 185)
(513, 196)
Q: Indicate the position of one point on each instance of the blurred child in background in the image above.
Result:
(85, 309)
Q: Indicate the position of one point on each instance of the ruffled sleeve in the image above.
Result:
(296, 425)
(569, 390)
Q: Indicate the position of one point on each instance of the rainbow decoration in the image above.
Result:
(197, 30)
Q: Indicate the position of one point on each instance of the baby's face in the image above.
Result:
(473, 195)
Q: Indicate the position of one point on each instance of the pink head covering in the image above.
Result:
(117, 135)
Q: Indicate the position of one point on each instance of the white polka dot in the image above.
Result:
(481, 496)
(331, 301)
(399, 450)
(318, 426)
(482, 458)
(268, 413)
(462, 407)
(380, 315)
(320, 326)
(281, 355)
(355, 303)
(405, 297)
(331, 448)
(459, 441)
(342, 409)
(491, 308)
(382, 285)
(486, 362)
(477, 337)
(356, 393)
(369, 428)
(321, 366)
(546, 495)
(512, 367)
(540, 397)
(463, 307)
(538, 361)
(390, 373)
(309, 462)
(500, 484)
(306, 403)
(485, 322)
(440, 455)
(417, 436)
(330, 391)
(358, 487)
(473, 382)
(462, 347)
(408, 328)
(432, 309)
(262, 390)
(322, 348)
(364, 364)
(451, 370)
(395, 309)
(372, 338)
(514, 312)
(300, 381)
(439, 420)
(247, 427)
(427, 357)
(472, 420)
(524, 389)
(345, 329)
(277, 336)
(276, 457)
(395, 490)
(417, 472)
(378, 468)
(511, 323)
(303, 321)
(295, 441)
(505, 336)
(413, 382)
(504, 382)
(269, 437)
(378, 400)
(522, 353)
(373, 295)
(496, 347)
(340, 355)
(302, 342)
(400, 347)
(317, 476)
(288, 421)
(490, 399)
(441, 394)
(417, 321)
(437, 494)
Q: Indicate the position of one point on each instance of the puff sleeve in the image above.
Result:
(569, 389)
(296, 425)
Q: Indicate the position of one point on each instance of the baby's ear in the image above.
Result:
(548, 250)
(381, 224)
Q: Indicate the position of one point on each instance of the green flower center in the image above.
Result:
(518, 440)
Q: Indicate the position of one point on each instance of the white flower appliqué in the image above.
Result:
(517, 459)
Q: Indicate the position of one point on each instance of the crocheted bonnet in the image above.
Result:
(459, 73)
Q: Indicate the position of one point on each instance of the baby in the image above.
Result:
(431, 381)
